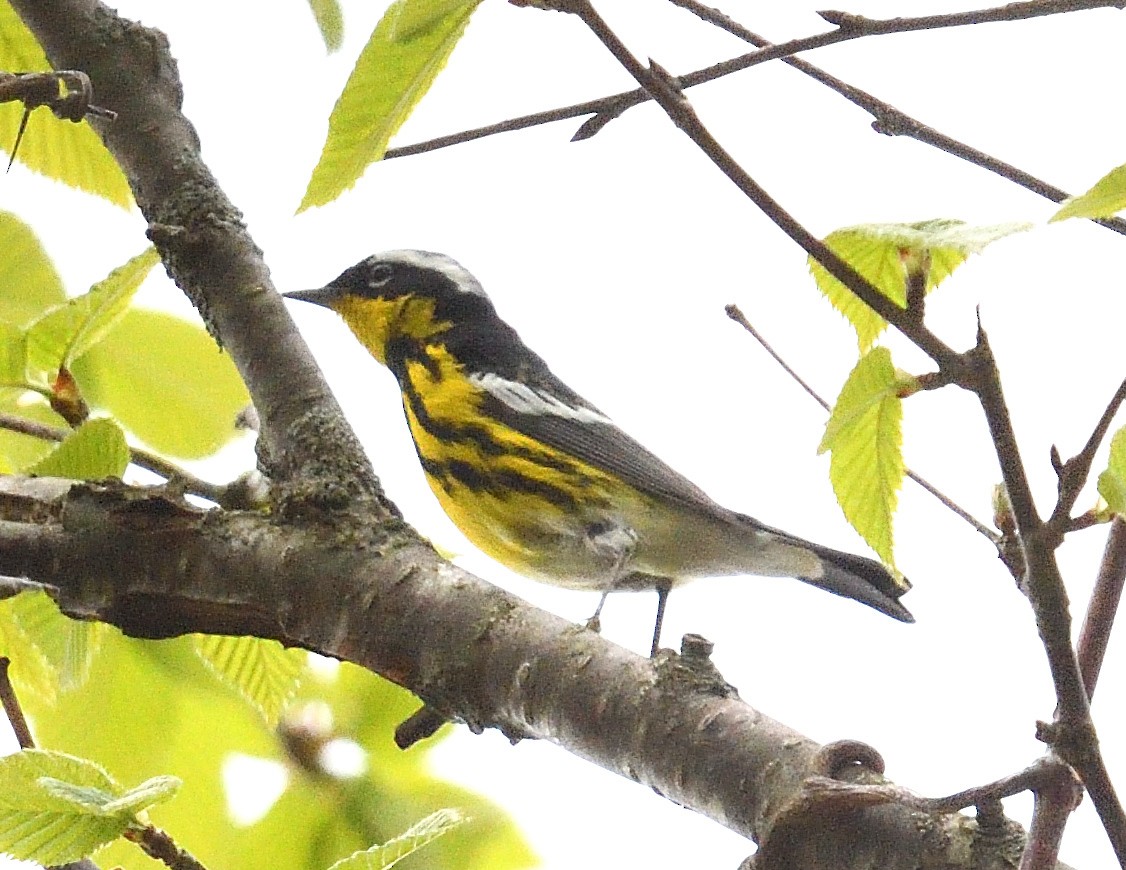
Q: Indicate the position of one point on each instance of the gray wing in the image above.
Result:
(561, 418)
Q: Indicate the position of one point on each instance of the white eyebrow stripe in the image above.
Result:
(526, 400)
(447, 266)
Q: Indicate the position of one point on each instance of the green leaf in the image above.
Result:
(865, 438)
(96, 801)
(62, 150)
(166, 381)
(93, 451)
(13, 355)
(264, 672)
(29, 284)
(880, 253)
(33, 676)
(68, 331)
(1103, 200)
(36, 824)
(67, 645)
(330, 21)
(414, 838)
(393, 73)
(1112, 482)
(18, 452)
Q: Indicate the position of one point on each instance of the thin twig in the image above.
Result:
(888, 120)
(157, 844)
(1073, 735)
(734, 312)
(12, 708)
(142, 458)
(1074, 473)
(1103, 606)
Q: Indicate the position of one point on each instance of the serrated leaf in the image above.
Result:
(93, 451)
(62, 150)
(68, 645)
(31, 673)
(866, 442)
(414, 838)
(1106, 197)
(1112, 481)
(167, 382)
(39, 825)
(263, 672)
(330, 22)
(879, 252)
(68, 331)
(29, 284)
(150, 793)
(391, 76)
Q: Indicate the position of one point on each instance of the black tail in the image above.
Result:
(860, 579)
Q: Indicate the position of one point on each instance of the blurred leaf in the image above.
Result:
(68, 645)
(34, 678)
(407, 21)
(1103, 200)
(93, 451)
(13, 355)
(36, 824)
(330, 21)
(29, 284)
(166, 381)
(393, 73)
(264, 672)
(879, 253)
(865, 438)
(1112, 482)
(125, 806)
(62, 150)
(414, 838)
(68, 331)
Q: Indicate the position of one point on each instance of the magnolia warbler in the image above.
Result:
(536, 476)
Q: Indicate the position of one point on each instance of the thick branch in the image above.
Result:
(381, 598)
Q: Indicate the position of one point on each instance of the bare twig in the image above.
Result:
(1103, 607)
(734, 312)
(42, 89)
(1073, 473)
(1073, 734)
(888, 120)
(12, 708)
(157, 844)
(142, 458)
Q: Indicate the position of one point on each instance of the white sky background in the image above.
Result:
(614, 259)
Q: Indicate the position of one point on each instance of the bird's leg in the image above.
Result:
(663, 586)
(616, 542)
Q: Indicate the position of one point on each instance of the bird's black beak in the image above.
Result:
(324, 296)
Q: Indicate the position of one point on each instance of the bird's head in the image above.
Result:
(405, 295)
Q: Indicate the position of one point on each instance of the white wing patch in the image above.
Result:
(526, 400)
(447, 266)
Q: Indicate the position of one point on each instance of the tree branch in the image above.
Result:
(1103, 607)
(207, 251)
(137, 456)
(1073, 735)
(734, 312)
(383, 599)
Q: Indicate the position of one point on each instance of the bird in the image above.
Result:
(536, 476)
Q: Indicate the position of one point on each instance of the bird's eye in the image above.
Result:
(379, 275)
